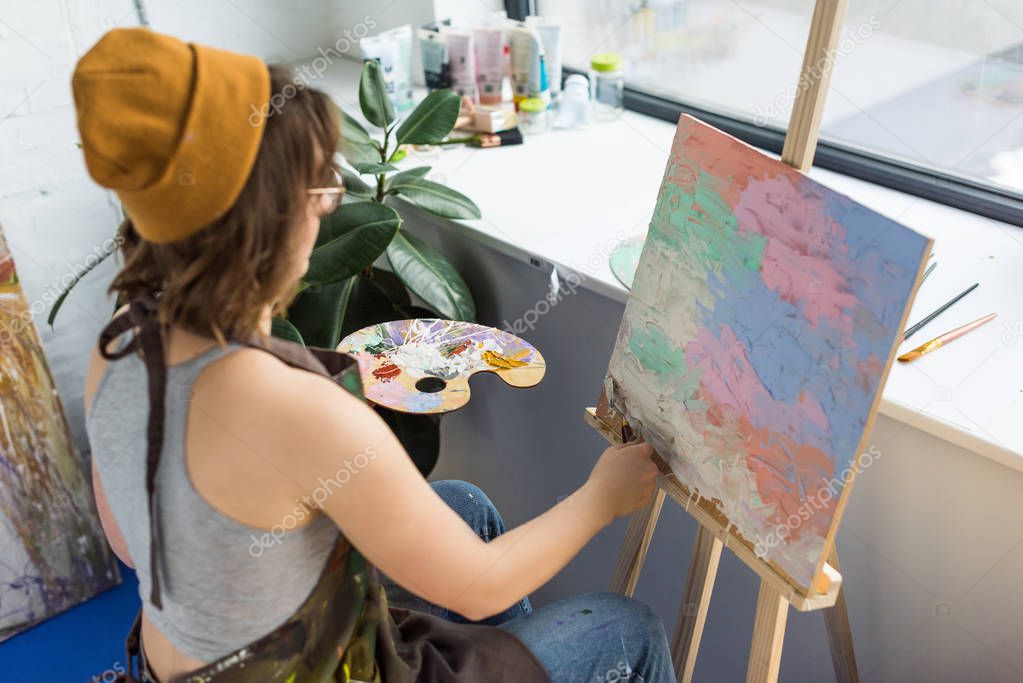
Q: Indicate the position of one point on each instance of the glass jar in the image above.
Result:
(607, 86)
(533, 116)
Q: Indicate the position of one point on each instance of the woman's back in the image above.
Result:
(215, 570)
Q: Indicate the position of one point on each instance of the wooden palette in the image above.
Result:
(424, 365)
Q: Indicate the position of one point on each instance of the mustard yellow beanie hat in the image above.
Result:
(168, 126)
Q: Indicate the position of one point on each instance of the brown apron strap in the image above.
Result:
(132, 672)
(319, 361)
(148, 339)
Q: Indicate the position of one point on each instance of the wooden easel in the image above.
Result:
(777, 591)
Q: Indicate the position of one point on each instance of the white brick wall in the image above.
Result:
(51, 212)
(53, 216)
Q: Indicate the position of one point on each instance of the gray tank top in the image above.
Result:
(225, 584)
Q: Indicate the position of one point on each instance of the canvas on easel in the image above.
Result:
(756, 338)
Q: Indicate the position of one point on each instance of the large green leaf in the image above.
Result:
(348, 217)
(435, 198)
(376, 105)
(325, 315)
(350, 239)
(374, 168)
(393, 287)
(356, 146)
(316, 312)
(353, 130)
(368, 304)
(403, 176)
(431, 120)
(431, 277)
(355, 187)
(282, 329)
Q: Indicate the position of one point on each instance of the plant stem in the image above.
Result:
(383, 160)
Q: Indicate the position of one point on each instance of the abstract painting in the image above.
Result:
(424, 365)
(756, 339)
(53, 554)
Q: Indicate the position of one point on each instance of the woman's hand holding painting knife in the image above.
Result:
(624, 478)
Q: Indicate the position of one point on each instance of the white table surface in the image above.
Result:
(568, 197)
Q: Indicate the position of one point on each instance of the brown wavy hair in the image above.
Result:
(217, 282)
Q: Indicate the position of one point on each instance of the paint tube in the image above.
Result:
(523, 48)
(433, 52)
(393, 49)
(462, 57)
(492, 65)
(538, 84)
(550, 38)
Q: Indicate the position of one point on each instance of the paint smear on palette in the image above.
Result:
(424, 365)
(757, 337)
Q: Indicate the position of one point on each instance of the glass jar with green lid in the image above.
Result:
(607, 85)
(533, 115)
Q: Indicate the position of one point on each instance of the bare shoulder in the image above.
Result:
(262, 381)
(261, 434)
(278, 402)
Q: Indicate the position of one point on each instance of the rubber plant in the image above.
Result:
(343, 290)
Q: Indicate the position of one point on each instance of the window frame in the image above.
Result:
(944, 188)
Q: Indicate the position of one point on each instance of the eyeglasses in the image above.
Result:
(329, 197)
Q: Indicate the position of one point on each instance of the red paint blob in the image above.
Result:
(389, 371)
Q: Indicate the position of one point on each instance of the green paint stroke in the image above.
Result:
(702, 225)
(655, 352)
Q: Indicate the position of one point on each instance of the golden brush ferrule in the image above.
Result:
(920, 351)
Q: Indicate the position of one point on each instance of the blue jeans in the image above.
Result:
(597, 637)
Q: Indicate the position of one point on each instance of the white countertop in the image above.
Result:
(568, 197)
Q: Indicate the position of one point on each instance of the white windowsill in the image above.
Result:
(567, 197)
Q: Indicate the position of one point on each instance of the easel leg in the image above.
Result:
(836, 619)
(768, 635)
(692, 613)
(635, 545)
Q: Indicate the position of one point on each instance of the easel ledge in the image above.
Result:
(670, 486)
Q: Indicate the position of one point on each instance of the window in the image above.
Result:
(926, 95)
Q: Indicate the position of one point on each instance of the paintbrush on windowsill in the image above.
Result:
(505, 138)
(942, 340)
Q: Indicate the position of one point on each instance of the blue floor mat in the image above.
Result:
(84, 644)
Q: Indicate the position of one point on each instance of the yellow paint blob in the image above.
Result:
(503, 362)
